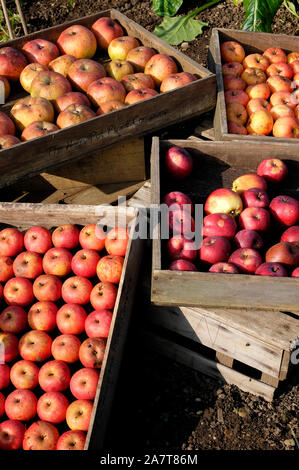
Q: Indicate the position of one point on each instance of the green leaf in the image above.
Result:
(166, 7)
(179, 29)
(291, 7)
(259, 14)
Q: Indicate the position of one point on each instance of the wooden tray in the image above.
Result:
(217, 164)
(65, 145)
(23, 216)
(252, 42)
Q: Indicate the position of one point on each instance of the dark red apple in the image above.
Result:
(214, 250)
(180, 248)
(182, 265)
(285, 253)
(255, 218)
(247, 260)
(178, 163)
(285, 210)
(273, 170)
(271, 269)
(181, 222)
(179, 198)
(295, 273)
(219, 224)
(255, 197)
(291, 234)
(227, 268)
(248, 239)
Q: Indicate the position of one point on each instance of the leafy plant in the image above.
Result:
(15, 22)
(259, 14)
(167, 7)
(291, 7)
(175, 30)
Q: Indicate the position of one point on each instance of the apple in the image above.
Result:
(35, 345)
(49, 85)
(292, 56)
(47, 287)
(21, 405)
(119, 47)
(247, 260)
(92, 237)
(52, 406)
(38, 239)
(137, 81)
(134, 96)
(178, 163)
(182, 265)
(97, 323)
(285, 210)
(180, 248)
(71, 440)
(256, 60)
(91, 352)
(260, 90)
(255, 197)
(235, 128)
(103, 296)
(247, 181)
(271, 269)
(78, 415)
(286, 127)
(236, 96)
(295, 273)
(42, 316)
(118, 69)
(2, 406)
(84, 263)
(24, 374)
(62, 64)
(54, 376)
(232, 68)
(176, 80)
(83, 384)
(275, 55)
(283, 97)
(181, 222)
(66, 348)
(281, 110)
(273, 170)
(40, 435)
(257, 103)
(66, 236)
(219, 224)
(18, 291)
(279, 83)
(295, 66)
(7, 126)
(255, 218)
(8, 140)
(253, 76)
(12, 62)
(83, 72)
(70, 319)
(6, 268)
(232, 51)
(29, 73)
(117, 240)
(280, 68)
(159, 67)
(231, 82)
(28, 264)
(179, 199)
(13, 319)
(57, 261)
(11, 434)
(73, 97)
(139, 56)
(260, 122)
(237, 113)
(291, 234)
(214, 249)
(40, 50)
(38, 129)
(224, 200)
(109, 268)
(76, 290)
(105, 30)
(79, 41)
(4, 375)
(109, 106)
(8, 347)
(223, 267)
(106, 89)
(285, 253)
(74, 114)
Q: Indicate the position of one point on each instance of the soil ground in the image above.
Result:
(161, 404)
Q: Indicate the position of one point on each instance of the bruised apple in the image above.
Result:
(219, 224)
(29, 73)
(8, 346)
(28, 264)
(103, 296)
(232, 51)
(91, 352)
(62, 64)
(13, 319)
(139, 56)
(40, 435)
(38, 129)
(42, 316)
(74, 114)
(222, 267)
(271, 269)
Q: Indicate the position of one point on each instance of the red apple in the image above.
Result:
(83, 72)
(248, 239)
(223, 200)
(49, 85)
(42, 316)
(12, 62)
(57, 261)
(47, 287)
(52, 406)
(273, 170)
(247, 260)
(40, 435)
(35, 345)
(4, 375)
(105, 29)
(66, 348)
(214, 249)
(180, 248)
(182, 265)
(24, 374)
(97, 323)
(291, 234)
(135, 96)
(8, 347)
(92, 237)
(11, 241)
(271, 269)
(70, 319)
(116, 241)
(18, 291)
(76, 290)
(54, 376)
(232, 51)
(66, 236)
(295, 273)
(13, 319)
(91, 352)
(275, 54)
(160, 66)
(106, 89)
(6, 268)
(38, 239)
(28, 264)
(79, 41)
(285, 253)
(178, 163)
(139, 56)
(8, 140)
(285, 210)
(78, 415)
(176, 80)
(38, 129)
(71, 440)
(83, 384)
(179, 198)
(219, 224)
(2, 404)
(103, 296)
(21, 405)
(109, 268)
(11, 434)
(181, 223)
(255, 197)
(84, 263)
(222, 267)
(255, 218)
(7, 126)
(109, 106)
(41, 51)
(73, 97)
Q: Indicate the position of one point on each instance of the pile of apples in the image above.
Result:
(244, 230)
(58, 290)
(67, 85)
(261, 91)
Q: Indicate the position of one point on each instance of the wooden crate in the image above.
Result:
(252, 42)
(23, 216)
(65, 145)
(217, 164)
